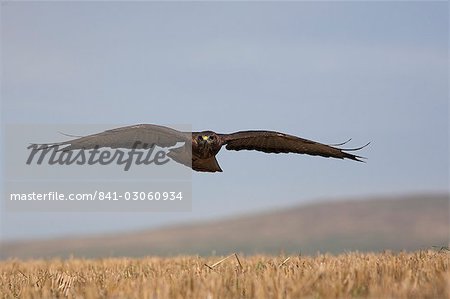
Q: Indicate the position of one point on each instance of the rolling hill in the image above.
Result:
(376, 224)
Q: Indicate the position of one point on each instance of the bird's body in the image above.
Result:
(200, 148)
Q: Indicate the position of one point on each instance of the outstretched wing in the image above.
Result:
(275, 142)
(137, 136)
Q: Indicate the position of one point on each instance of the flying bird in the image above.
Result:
(200, 148)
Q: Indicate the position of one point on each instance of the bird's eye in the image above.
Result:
(211, 137)
(199, 137)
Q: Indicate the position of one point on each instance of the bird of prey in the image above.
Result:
(200, 148)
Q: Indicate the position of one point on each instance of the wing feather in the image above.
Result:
(127, 137)
(275, 142)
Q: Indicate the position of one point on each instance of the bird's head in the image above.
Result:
(206, 144)
(206, 138)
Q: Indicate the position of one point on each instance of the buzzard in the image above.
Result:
(199, 149)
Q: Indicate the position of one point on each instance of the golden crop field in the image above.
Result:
(423, 274)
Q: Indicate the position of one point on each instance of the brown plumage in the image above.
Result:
(200, 148)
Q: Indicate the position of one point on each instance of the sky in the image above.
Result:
(326, 71)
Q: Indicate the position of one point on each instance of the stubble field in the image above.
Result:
(423, 274)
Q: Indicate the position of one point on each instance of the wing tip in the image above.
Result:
(355, 148)
(355, 157)
(359, 158)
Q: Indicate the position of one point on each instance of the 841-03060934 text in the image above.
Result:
(99, 196)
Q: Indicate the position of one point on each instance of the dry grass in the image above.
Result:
(423, 274)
